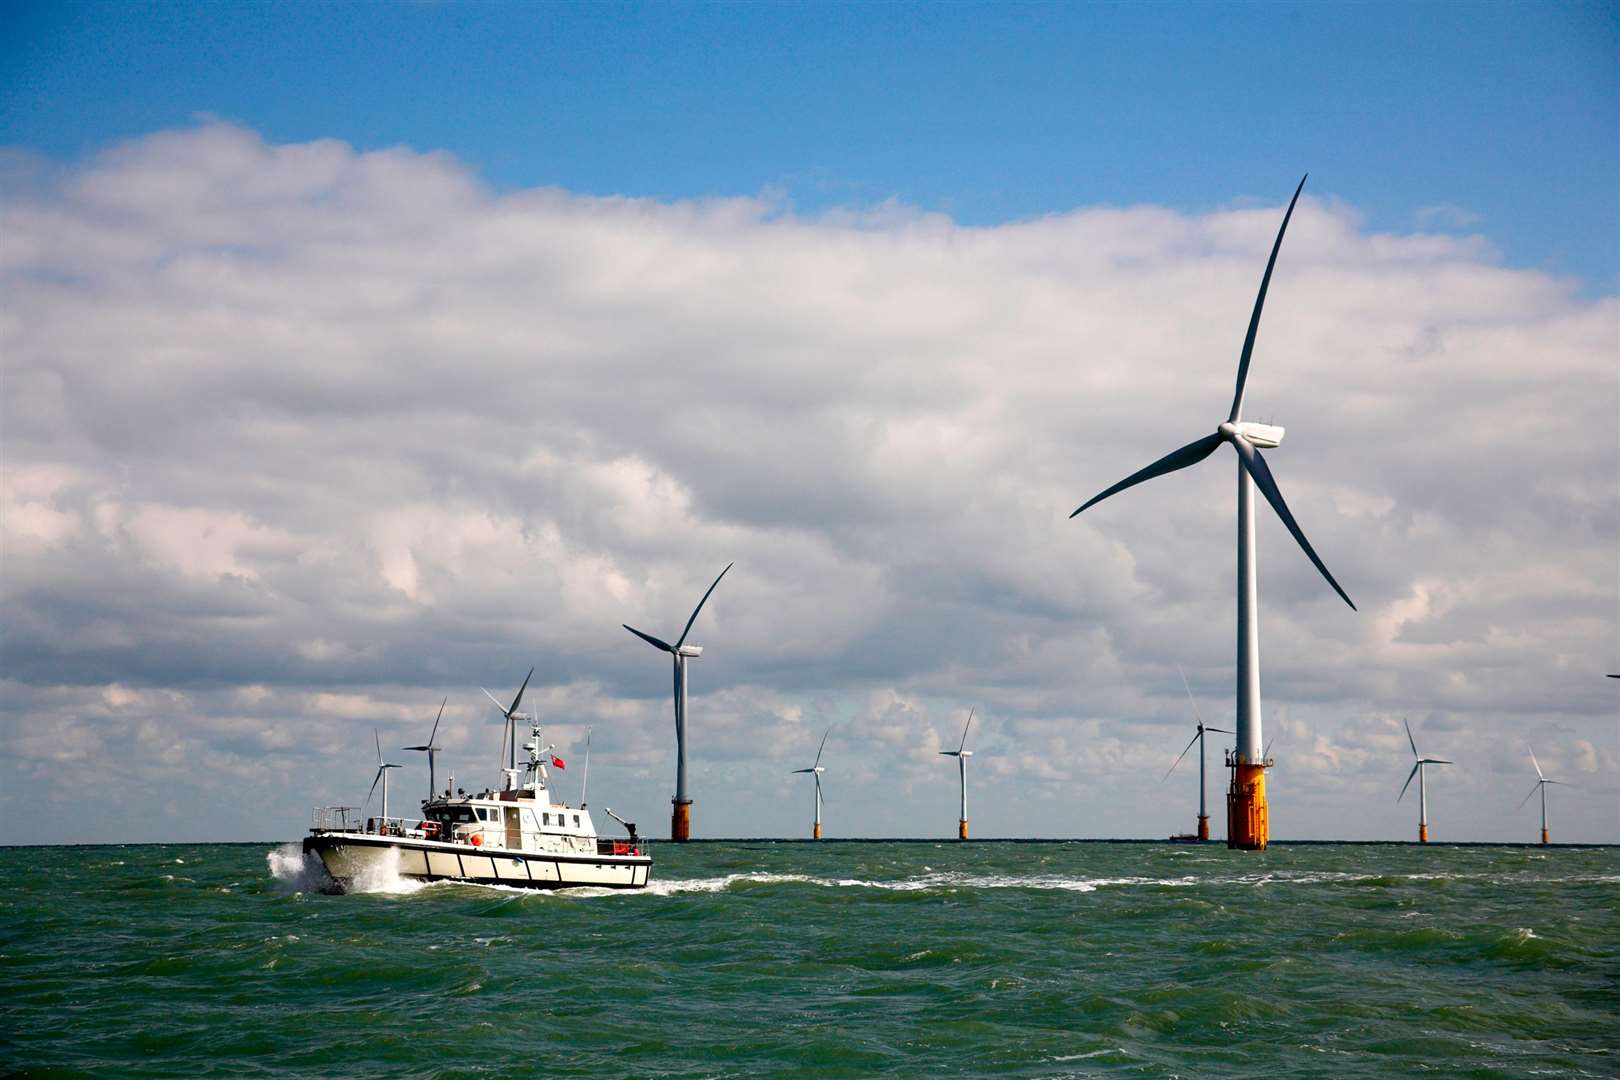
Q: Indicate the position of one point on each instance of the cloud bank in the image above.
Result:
(298, 440)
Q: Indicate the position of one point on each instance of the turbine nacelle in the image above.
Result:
(1260, 436)
(689, 650)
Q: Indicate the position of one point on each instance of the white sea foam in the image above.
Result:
(382, 876)
(295, 871)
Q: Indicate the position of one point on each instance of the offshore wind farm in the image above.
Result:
(419, 349)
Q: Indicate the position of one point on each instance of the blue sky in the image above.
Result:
(1500, 118)
(337, 388)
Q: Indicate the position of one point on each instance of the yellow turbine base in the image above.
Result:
(1544, 839)
(816, 833)
(1203, 826)
(961, 829)
(680, 821)
(1247, 824)
(1423, 834)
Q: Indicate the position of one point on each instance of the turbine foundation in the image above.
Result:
(1203, 827)
(1423, 834)
(816, 834)
(1544, 839)
(680, 820)
(1247, 824)
(961, 829)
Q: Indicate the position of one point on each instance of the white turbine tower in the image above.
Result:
(816, 770)
(1248, 824)
(1541, 786)
(1423, 796)
(432, 751)
(680, 817)
(1198, 737)
(511, 716)
(382, 774)
(961, 754)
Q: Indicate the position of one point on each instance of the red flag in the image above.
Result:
(557, 761)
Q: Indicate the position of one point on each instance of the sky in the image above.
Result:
(358, 355)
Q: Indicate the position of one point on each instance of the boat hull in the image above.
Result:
(355, 859)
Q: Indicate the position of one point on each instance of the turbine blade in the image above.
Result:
(495, 701)
(1436, 761)
(519, 699)
(1222, 730)
(951, 753)
(796, 772)
(1263, 480)
(1183, 754)
(1530, 796)
(701, 602)
(1185, 685)
(373, 790)
(823, 745)
(376, 738)
(1537, 764)
(649, 639)
(1191, 454)
(436, 720)
(1259, 303)
(965, 727)
(1409, 737)
(1408, 783)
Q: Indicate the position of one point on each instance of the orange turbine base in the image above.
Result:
(1203, 826)
(1544, 839)
(1423, 834)
(1247, 824)
(680, 820)
(816, 835)
(961, 829)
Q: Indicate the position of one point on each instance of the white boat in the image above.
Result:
(516, 836)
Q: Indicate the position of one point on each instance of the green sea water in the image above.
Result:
(845, 959)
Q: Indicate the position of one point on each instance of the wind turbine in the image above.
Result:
(680, 815)
(382, 774)
(1423, 795)
(1248, 824)
(816, 770)
(509, 731)
(961, 754)
(1541, 786)
(1203, 817)
(431, 750)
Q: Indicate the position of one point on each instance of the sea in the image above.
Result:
(833, 959)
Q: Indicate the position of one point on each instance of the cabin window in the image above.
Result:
(483, 814)
(547, 818)
(576, 821)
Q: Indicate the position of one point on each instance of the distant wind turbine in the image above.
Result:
(1423, 795)
(382, 774)
(680, 818)
(432, 751)
(1248, 824)
(1198, 737)
(510, 714)
(816, 770)
(961, 754)
(1541, 786)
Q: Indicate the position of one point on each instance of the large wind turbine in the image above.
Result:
(680, 816)
(816, 770)
(1423, 795)
(961, 754)
(431, 750)
(1541, 786)
(511, 716)
(1198, 737)
(1248, 825)
(382, 774)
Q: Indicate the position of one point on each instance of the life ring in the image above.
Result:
(476, 839)
(430, 829)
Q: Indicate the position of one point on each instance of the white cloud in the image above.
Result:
(298, 440)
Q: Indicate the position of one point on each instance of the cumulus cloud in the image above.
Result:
(297, 440)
